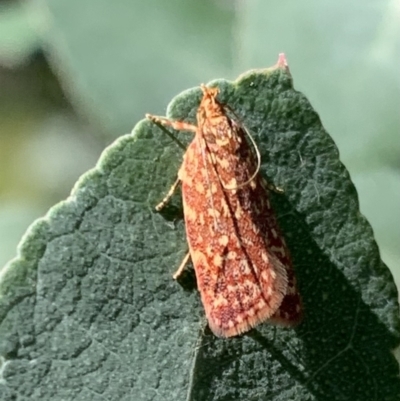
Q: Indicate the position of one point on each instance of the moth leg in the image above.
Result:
(273, 188)
(167, 197)
(182, 266)
(178, 125)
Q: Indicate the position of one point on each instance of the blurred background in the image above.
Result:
(76, 74)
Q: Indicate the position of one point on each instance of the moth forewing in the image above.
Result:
(243, 267)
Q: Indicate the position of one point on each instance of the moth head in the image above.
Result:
(209, 107)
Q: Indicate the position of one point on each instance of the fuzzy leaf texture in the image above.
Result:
(89, 310)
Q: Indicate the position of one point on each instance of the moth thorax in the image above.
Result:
(209, 107)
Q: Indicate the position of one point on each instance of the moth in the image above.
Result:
(242, 264)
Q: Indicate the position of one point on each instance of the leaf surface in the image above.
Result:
(89, 310)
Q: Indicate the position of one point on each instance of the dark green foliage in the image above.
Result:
(89, 310)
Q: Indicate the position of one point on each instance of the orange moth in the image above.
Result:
(242, 264)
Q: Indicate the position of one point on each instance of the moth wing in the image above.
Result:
(241, 293)
(290, 312)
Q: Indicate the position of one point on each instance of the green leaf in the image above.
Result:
(344, 55)
(89, 310)
(14, 218)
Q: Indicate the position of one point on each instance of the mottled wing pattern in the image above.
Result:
(290, 311)
(242, 264)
